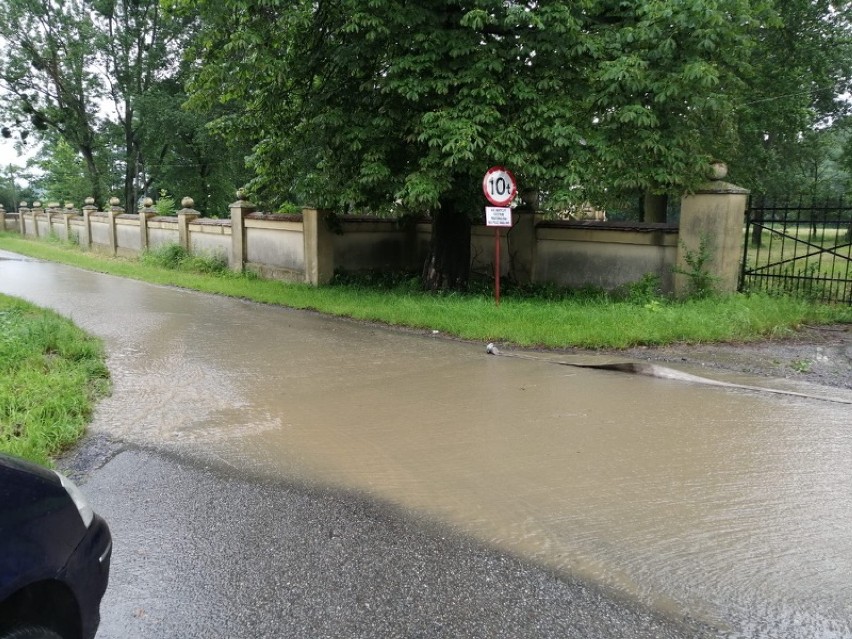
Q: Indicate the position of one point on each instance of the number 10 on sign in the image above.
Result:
(499, 186)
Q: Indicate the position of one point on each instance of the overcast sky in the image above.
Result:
(9, 155)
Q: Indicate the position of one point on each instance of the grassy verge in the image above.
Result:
(547, 319)
(51, 373)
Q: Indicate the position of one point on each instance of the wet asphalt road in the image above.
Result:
(228, 418)
(204, 551)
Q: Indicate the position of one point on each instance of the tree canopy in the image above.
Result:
(357, 104)
(796, 88)
(103, 80)
(353, 103)
(377, 104)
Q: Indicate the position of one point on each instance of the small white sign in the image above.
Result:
(498, 216)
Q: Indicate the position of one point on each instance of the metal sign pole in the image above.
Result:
(497, 265)
(499, 187)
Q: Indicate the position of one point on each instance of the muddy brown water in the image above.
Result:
(729, 505)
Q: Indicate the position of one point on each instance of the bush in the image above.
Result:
(165, 206)
(166, 256)
(643, 291)
(176, 257)
(205, 263)
(702, 283)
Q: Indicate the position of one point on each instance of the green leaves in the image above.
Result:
(354, 103)
(83, 72)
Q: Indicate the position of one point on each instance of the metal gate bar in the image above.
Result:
(798, 249)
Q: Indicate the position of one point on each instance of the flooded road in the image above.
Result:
(732, 506)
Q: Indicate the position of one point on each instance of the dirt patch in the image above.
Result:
(815, 354)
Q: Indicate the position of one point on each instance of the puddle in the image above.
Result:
(729, 503)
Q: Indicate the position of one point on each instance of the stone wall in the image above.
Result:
(604, 255)
(311, 246)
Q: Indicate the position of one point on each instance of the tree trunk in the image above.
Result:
(131, 168)
(757, 229)
(448, 264)
(93, 174)
(654, 207)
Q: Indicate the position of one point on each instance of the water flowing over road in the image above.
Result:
(729, 505)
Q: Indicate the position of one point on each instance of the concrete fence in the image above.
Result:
(311, 246)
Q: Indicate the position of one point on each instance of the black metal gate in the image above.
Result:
(799, 249)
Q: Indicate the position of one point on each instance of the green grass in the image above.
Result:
(51, 373)
(541, 318)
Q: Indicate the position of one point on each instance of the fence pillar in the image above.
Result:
(2, 218)
(319, 249)
(114, 211)
(145, 213)
(22, 210)
(35, 212)
(186, 215)
(52, 210)
(239, 210)
(713, 216)
(88, 210)
(67, 214)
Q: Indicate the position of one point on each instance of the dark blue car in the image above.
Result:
(54, 555)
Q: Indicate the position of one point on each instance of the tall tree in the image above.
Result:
(798, 80)
(194, 161)
(15, 186)
(47, 73)
(353, 104)
(81, 69)
(139, 49)
(61, 174)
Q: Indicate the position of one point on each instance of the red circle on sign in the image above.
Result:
(499, 186)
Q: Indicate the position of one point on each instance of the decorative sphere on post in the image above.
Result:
(718, 170)
(187, 203)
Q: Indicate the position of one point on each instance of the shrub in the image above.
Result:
(702, 283)
(166, 256)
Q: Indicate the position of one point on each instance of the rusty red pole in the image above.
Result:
(497, 264)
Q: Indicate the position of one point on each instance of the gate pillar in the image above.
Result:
(712, 217)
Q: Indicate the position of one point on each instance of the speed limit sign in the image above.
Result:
(499, 186)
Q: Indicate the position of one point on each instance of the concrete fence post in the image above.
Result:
(53, 209)
(114, 211)
(88, 210)
(186, 215)
(35, 212)
(23, 209)
(713, 215)
(145, 213)
(239, 210)
(67, 214)
(319, 248)
(2, 218)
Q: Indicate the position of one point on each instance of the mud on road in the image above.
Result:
(815, 354)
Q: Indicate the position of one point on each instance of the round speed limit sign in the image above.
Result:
(499, 186)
